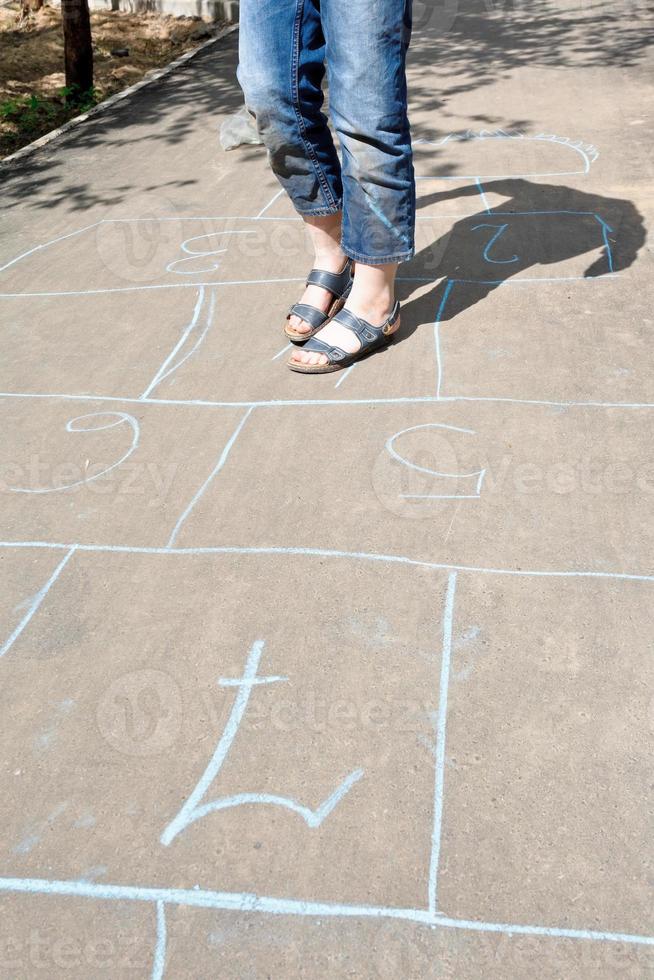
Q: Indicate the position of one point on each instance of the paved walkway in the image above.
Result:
(352, 675)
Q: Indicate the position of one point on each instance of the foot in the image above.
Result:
(316, 296)
(374, 309)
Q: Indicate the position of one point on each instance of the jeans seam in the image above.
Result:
(410, 204)
(295, 90)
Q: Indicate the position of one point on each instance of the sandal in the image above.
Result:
(338, 284)
(371, 339)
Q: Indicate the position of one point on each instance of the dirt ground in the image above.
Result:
(31, 62)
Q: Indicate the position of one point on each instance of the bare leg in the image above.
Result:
(372, 298)
(325, 234)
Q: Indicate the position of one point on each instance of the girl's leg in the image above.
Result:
(281, 69)
(366, 58)
(325, 235)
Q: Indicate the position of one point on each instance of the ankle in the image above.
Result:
(330, 259)
(371, 307)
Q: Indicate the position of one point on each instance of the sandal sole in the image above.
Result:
(313, 368)
(332, 368)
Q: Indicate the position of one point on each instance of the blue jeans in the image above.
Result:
(284, 48)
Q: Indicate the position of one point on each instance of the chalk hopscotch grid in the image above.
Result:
(244, 902)
(253, 903)
(170, 365)
(247, 902)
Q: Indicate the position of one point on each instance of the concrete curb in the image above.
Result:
(152, 76)
(208, 10)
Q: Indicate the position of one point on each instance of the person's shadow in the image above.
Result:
(536, 225)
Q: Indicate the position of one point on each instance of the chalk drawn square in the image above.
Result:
(77, 471)
(159, 252)
(225, 361)
(157, 292)
(549, 754)
(106, 343)
(476, 484)
(344, 694)
(576, 352)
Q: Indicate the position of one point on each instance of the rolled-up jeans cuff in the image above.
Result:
(378, 259)
(319, 212)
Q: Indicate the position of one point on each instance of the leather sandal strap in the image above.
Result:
(334, 354)
(310, 314)
(334, 282)
(367, 333)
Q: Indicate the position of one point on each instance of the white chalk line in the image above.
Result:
(440, 496)
(437, 337)
(122, 417)
(482, 194)
(344, 375)
(222, 459)
(192, 811)
(53, 241)
(163, 285)
(281, 352)
(554, 173)
(331, 553)
(189, 353)
(248, 902)
(428, 471)
(241, 217)
(192, 803)
(36, 602)
(270, 203)
(325, 402)
(513, 281)
(159, 961)
(163, 369)
(441, 725)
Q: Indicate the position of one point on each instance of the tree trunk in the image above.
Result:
(78, 49)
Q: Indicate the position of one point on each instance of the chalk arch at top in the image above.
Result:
(497, 154)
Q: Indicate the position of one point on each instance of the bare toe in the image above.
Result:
(300, 326)
(310, 358)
